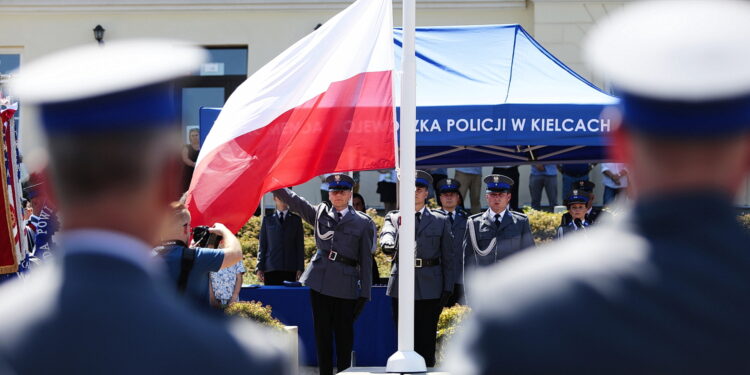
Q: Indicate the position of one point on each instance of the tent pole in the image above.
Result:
(406, 359)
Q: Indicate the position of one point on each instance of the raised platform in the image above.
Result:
(374, 330)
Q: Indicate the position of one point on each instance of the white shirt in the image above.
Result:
(614, 168)
(332, 212)
(285, 213)
(491, 215)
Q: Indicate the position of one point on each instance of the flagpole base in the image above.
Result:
(403, 362)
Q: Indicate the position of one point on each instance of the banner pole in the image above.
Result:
(406, 359)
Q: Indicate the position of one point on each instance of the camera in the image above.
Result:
(204, 238)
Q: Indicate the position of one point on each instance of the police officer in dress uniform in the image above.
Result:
(434, 274)
(663, 287)
(281, 250)
(339, 274)
(576, 203)
(448, 191)
(592, 213)
(105, 305)
(497, 233)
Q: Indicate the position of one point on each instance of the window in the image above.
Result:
(212, 85)
(8, 63)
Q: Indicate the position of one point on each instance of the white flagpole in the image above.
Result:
(406, 359)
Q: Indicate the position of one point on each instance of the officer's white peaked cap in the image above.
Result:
(689, 50)
(92, 70)
(117, 87)
(679, 68)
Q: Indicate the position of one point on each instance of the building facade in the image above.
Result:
(243, 35)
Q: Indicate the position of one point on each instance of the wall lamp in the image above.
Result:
(99, 34)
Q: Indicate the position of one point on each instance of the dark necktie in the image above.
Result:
(417, 215)
(281, 217)
(497, 220)
(338, 216)
(450, 217)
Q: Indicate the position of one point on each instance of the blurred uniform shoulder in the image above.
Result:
(264, 345)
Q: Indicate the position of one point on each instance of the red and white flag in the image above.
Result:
(324, 105)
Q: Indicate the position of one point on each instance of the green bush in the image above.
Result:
(248, 237)
(449, 321)
(543, 224)
(254, 311)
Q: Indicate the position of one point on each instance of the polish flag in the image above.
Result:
(324, 105)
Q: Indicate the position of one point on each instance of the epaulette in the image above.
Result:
(439, 213)
(438, 210)
(363, 215)
(521, 214)
(476, 215)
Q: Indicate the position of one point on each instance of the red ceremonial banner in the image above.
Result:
(8, 261)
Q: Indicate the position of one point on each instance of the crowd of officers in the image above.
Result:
(449, 243)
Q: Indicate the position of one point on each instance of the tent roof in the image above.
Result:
(497, 75)
(490, 65)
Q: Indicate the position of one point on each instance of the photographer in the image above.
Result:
(189, 267)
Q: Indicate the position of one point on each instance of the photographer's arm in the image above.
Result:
(232, 248)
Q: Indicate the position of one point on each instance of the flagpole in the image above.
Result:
(406, 359)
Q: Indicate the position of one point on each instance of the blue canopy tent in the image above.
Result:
(489, 95)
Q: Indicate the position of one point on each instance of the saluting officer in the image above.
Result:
(434, 272)
(497, 233)
(592, 213)
(576, 203)
(448, 191)
(339, 274)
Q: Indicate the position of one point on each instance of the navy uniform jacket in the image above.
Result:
(352, 238)
(660, 290)
(94, 313)
(570, 228)
(282, 246)
(591, 217)
(512, 236)
(458, 229)
(433, 237)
